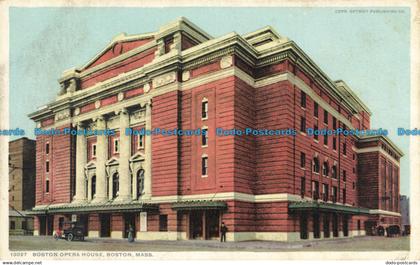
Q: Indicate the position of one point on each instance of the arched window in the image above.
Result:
(93, 186)
(140, 182)
(115, 184)
(325, 169)
(316, 165)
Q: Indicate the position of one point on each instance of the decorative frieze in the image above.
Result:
(185, 76)
(164, 79)
(137, 117)
(226, 61)
(146, 88)
(97, 104)
(62, 115)
(120, 96)
(76, 111)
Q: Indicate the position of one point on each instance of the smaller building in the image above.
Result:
(405, 213)
(21, 185)
(20, 223)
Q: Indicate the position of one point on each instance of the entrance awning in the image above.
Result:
(199, 205)
(326, 207)
(99, 207)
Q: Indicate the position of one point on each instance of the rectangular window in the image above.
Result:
(316, 109)
(325, 117)
(354, 185)
(94, 150)
(302, 99)
(163, 223)
(116, 146)
(204, 109)
(47, 166)
(354, 170)
(47, 148)
(326, 139)
(302, 186)
(302, 124)
(47, 186)
(204, 137)
(302, 160)
(204, 166)
(315, 190)
(344, 148)
(140, 141)
(334, 123)
(325, 192)
(344, 175)
(334, 194)
(12, 225)
(344, 196)
(316, 137)
(24, 225)
(334, 143)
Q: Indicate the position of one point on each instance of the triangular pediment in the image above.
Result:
(112, 161)
(91, 164)
(119, 45)
(137, 156)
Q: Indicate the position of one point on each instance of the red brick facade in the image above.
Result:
(271, 187)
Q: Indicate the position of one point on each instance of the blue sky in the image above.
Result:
(369, 51)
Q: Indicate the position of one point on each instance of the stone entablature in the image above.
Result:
(223, 48)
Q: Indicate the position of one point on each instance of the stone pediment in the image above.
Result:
(90, 165)
(137, 157)
(112, 161)
(120, 44)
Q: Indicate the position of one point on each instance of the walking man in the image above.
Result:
(223, 230)
(130, 234)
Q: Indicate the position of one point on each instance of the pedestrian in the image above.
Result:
(130, 234)
(223, 230)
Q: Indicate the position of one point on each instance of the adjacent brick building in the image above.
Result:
(273, 187)
(21, 185)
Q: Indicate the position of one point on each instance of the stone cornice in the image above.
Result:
(200, 54)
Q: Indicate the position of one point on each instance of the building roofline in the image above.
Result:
(22, 138)
(369, 138)
(353, 95)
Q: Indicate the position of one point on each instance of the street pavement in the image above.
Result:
(368, 243)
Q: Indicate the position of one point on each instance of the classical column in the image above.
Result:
(101, 157)
(148, 154)
(81, 158)
(124, 166)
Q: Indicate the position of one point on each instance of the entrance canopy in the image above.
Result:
(199, 205)
(326, 207)
(89, 207)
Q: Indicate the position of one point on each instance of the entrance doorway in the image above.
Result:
(315, 220)
(335, 225)
(84, 221)
(345, 226)
(129, 220)
(105, 220)
(326, 226)
(50, 225)
(42, 225)
(303, 226)
(204, 224)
